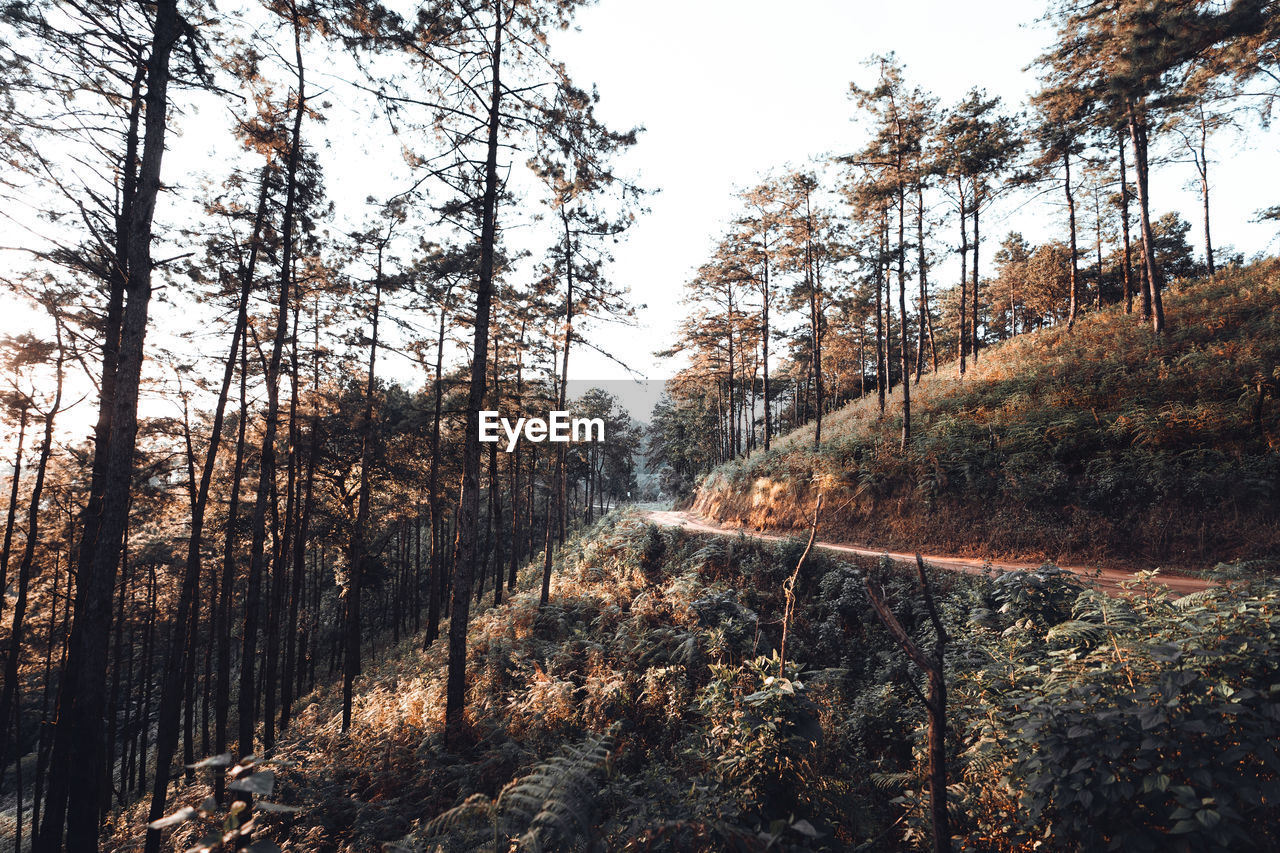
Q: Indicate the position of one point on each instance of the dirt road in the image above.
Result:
(1108, 579)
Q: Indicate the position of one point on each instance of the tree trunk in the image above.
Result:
(815, 319)
(561, 473)
(282, 543)
(921, 263)
(469, 508)
(964, 284)
(267, 465)
(1097, 243)
(292, 679)
(1203, 166)
(77, 773)
(222, 627)
(973, 303)
(517, 531)
(495, 491)
(13, 509)
(357, 562)
(1138, 133)
(764, 347)
(882, 358)
(1127, 272)
(436, 569)
(902, 310)
(1074, 305)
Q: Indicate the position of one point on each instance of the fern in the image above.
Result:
(1098, 616)
(1194, 599)
(893, 782)
(551, 808)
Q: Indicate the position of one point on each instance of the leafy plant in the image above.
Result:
(764, 730)
(550, 808)
(230, 829)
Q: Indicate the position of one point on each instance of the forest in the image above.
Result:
(270, 267)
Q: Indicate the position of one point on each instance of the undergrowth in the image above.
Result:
(1105, 442)
(645, 709)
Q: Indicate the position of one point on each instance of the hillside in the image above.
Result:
(643, 709)
(1106, 442)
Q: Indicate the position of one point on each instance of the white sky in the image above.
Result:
(729, 90)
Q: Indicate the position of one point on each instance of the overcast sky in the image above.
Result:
(729, 89)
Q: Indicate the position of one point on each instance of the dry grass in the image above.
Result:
(1108, 443)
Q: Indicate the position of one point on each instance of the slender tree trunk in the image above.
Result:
(882, 359)
(148, 655)
(561, 472)
(359, 557)
(922, 265)
(517, 531)
(1097, 237)
(1074, 305)
(964, 260)
(815, 319)
(495, 491)
(78, 774)
(862, 359)
(282, 543)
(732, 424)
(222, 627)
(906, 326)
(292, 647)
(247, 701)
(469, 507)
(1127, 272)
(973, 303)
(1155, 282)
(764, 347)
(435, 578)
(1203, 168)
(13, 509)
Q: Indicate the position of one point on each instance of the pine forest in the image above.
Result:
(556, 425)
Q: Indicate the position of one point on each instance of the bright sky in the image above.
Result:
(729, 89)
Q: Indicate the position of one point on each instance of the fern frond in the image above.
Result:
(461, 817)
(892, 781)
(1077, 632)
(1193, 598)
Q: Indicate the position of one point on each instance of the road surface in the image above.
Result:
(1108, 579)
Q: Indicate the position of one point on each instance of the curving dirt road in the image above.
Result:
(1108, 579)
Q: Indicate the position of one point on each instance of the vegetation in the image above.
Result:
(643, 708)
(264, 586)
(1104, 441)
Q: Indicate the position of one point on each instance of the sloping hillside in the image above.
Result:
(1105, 442)
(646, 708)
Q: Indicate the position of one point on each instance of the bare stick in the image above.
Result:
(789, 588)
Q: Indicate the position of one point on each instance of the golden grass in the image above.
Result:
(1018, 459)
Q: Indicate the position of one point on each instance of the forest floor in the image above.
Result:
(1108, 579)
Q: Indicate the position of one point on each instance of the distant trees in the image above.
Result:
(976, 145)
(1120, 78)
(896, 167)
(260, 498)
(228, 558)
